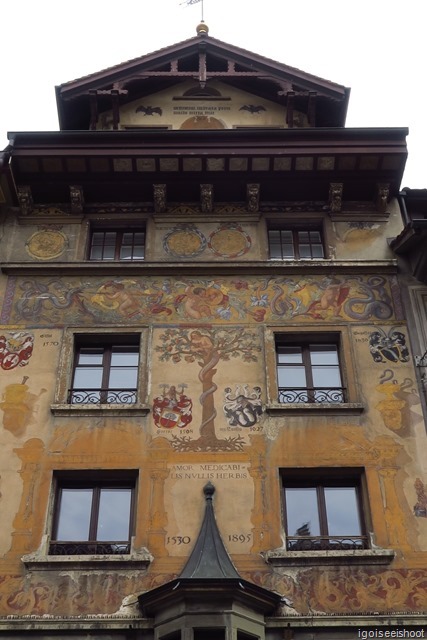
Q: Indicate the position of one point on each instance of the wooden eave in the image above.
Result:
(170, 65)
(123, 166)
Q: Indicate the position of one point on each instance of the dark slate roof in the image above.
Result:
(209, 558)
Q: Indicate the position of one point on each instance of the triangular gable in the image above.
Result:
(202, 59)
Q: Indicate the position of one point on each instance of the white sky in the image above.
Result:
(376, 47)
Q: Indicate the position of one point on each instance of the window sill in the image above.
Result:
(87, 410)
(297, 558)
(40, 561)
(321, 408)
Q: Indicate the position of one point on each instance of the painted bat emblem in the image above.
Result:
(252, 108)
(149, 111)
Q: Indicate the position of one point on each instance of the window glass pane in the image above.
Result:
(317, 251)
(315, 237)
(96, 253)
(304, 251)
(90, 378)
(74, 515)
(323, 354)
(123, 378)
(108, 253)
(98, 238)
(288, 251)
(342, 511)
(90, 356)
(126, 253)
(326, 377)
(303, 237)
(114, 514)
(289, 355)
(124, 358)
(302, 511)
(291, 377)
(110, 238)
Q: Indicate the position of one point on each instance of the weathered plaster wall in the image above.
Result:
(208, 347)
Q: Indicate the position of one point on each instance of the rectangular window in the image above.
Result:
(295, 243)
(117, 244)
(93, 516)
(105, 372)
(309, 371)
(323, 510)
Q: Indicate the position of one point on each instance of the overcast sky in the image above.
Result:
(376, 47)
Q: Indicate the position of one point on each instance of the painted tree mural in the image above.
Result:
(208, 346)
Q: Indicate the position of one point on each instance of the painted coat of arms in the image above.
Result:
(15, 350)
(243, 407)
(172, 408)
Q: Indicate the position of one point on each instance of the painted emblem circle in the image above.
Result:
(184, 243)
(229, 243)
(46, 244)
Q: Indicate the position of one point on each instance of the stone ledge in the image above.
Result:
(298, 558)
(321, 408)
(86, 410)
(40, 562)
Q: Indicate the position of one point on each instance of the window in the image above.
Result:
(295, 244)
(105, 373)
(93, 516)
(309, 371)
(117, 244)
(323, 510)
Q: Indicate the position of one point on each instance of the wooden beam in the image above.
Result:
(25, 199)
(206, 198)
(77, 198)
(383, 194)
(290, 109)
(252, 197)
(159, 198)
(335, 196)
(311, 108)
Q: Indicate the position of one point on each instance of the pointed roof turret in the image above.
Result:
(209, 558)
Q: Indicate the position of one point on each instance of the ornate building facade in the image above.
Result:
(212, 417)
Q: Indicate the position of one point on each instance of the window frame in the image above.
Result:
(295, 229)
(71, 337)
(119, 230)
(108, 346)
(95, 481)
(338, 333)
(321, 479)
(311, 390)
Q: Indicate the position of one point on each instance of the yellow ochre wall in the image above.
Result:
(200, 329)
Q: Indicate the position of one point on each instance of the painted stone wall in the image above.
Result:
(208, 381)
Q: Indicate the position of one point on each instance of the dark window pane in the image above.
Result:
(114, 514)
(342, 511)
(74, 514)
(302, 511)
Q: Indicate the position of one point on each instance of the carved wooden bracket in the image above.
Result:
(383, 193)
(311, 109)
(290, 109)
(25, 199)
(77, 198)
(252, 197)
(206, 198)
(159, 198)
(335, 196)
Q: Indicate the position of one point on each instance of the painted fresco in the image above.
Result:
(99, 301)
(227, 240)
(185, 107)
(208, 348)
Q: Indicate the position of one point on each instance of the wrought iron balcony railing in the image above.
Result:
(329, 543)
(312, 394)
(88, 548)
(102, 396)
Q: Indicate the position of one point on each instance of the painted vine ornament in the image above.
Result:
(208, 347)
